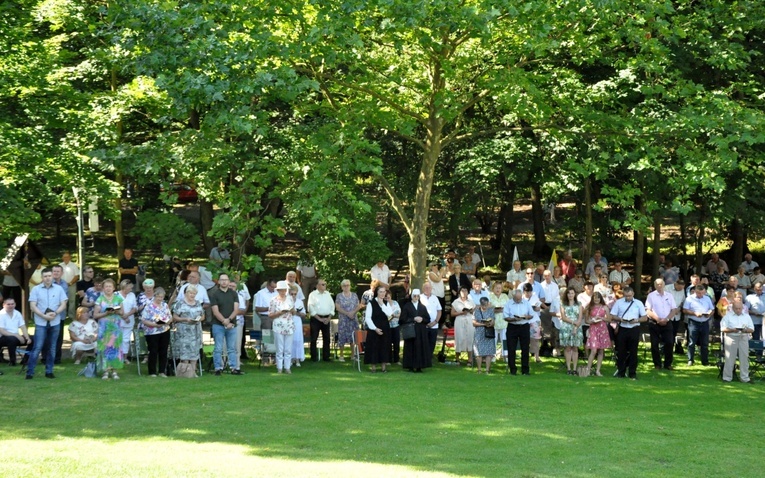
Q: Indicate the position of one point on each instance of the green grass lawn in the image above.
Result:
(330, 420)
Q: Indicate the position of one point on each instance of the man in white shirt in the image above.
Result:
(381, 272)
(306, 276)
(749, 264)
(219, 255)
(518, 314)
(433, 305)
(202, 296)
(757, 276)
(756, 304)
(628, 312)
(516, 274)
(711, 265)
(597, 258)
(205, 278)
(261, 303)
(736, 325)
(70, 275)
(619, 275)
(661, 309)
(474, 256)
(678, 293)
(550, 288)
(13, 331)
(291, 279)
(244, 303)
(321, 308)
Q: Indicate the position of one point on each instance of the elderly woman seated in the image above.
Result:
(83, 332)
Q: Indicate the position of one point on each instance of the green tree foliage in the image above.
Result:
(167, 233)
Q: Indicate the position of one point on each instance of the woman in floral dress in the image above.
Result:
(347, 305)
(187, 338)
(155, 322)
(598, 338)
(571, 330)
(484, 347)
(107, 312)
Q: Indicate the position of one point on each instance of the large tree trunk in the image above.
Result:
(587, 252)
(656, 244)
(119, 233)
(454, 214)
(684, 246)
(537, 215)
(505, 225)
(700, 239)
(738, 237)
(206, 215)
(639, 253)
(418, 247)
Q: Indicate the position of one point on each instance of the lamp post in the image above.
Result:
(80, 229)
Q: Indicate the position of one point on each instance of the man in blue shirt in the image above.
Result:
(47, 302)
(58, 272)
(699, 309)
(517, 313)
(628, 312)
(477, 291)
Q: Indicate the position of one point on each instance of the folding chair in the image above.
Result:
(756, 364)
(359, 339)
(262, 344)
(333, 331)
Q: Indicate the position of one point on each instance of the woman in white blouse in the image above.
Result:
(377, 319)
(83, 332)
(436, 278)
(129, 308)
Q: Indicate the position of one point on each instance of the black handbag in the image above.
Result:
(489, 332)
(407, 331)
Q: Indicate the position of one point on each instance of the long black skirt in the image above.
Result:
(377, 347)
(417, 350)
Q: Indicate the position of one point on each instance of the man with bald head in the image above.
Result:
(518, 314)
(736, 325)
(661, 309)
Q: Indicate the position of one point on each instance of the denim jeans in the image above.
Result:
(698, 334)
(45, 335)
(220, 333)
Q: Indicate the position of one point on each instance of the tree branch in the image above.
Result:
(368, 91)
(420, 144)
(397, 205)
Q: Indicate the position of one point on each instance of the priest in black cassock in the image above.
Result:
(417, 354)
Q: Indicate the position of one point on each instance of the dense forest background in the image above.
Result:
(371, 129)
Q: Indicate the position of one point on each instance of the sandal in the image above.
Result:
(115, 376)
(106, 376)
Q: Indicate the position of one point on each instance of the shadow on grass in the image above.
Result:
(448, 419)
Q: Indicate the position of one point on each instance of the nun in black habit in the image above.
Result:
(417, 350)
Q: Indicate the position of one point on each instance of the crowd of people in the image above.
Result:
(568, 308)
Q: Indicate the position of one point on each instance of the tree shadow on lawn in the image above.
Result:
(447, 419)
